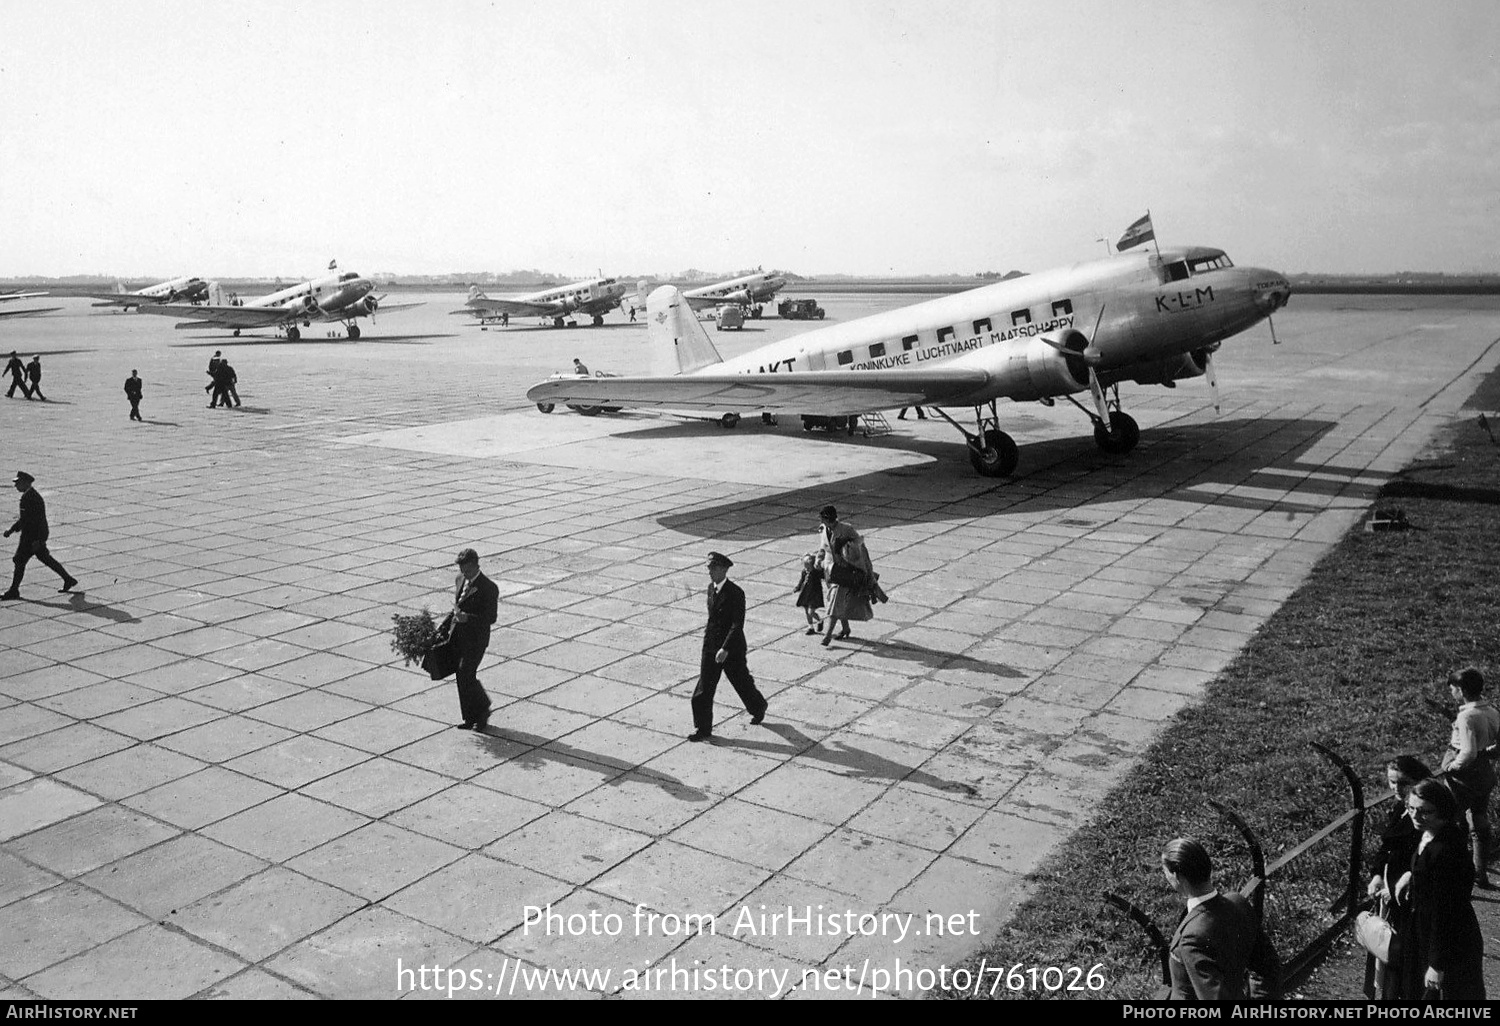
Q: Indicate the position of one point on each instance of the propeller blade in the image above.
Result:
(1274, 340)
(1091, 353)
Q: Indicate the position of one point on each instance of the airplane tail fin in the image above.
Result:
(475, 292)
(678, 342)
(119, 287)
(215, 294)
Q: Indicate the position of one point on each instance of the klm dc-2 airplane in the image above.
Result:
(342, 297)
(1152, 318)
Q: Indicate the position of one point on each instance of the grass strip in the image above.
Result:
(1347, 661)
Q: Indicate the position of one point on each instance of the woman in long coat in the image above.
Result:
(1449, 946)
(842, 544)
(1400, 979)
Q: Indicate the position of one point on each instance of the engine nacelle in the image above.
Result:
(1038, 370)
(1163, 372)
(302, 304)
(368, 305)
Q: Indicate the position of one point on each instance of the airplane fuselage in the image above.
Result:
(1150, 322)
(331, 293)
(744, 290)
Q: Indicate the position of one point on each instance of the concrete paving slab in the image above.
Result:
(240, 569)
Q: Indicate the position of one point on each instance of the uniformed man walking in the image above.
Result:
(133, 393)
(32, 526)
(34, 372)
(17, 371)
(723, 651)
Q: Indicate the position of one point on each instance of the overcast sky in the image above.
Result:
(820, 136)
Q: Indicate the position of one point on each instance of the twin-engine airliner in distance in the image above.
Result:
(1153, 318)
(334, 297)
(7, 297)
(748, 290)
(177, 290)
(593, 298)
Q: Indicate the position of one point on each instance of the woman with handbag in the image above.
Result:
(1440, 887)
(846, 564)
(1397, 977)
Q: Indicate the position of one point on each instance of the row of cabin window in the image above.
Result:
(1017, 317)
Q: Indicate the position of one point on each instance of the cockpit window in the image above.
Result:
(1213, 263)
(1177, 270)
(348, 276)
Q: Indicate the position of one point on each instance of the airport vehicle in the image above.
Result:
(594, 298)
(729, 318)
(579, 408)
(799, 310)
(1153, 318)
(748, 290)
(175, 290)
(8, 297)
(334, 297)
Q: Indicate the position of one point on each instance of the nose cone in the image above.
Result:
(1269, 289)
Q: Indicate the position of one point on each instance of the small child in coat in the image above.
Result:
(810, 592)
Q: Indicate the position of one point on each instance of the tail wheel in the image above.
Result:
(546, 407)
(998, 457)
(1122, 435)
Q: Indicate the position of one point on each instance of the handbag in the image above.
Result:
(1375, 934)
(846, 575)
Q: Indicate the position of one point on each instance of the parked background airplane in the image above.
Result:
(335, 297)
(1149, 317)
(177, 290)
(7, 297)
(593, 298)
(748, 290)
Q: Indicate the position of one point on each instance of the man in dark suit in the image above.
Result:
(17, 371)
(34, 373)
(1219, 951)
(723, 651)
(476, 605)
(133, 393)
(33, 528)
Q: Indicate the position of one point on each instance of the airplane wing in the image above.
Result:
(823, 392)
(6, 296)
(514, 307)
(124, 299)
(227, 316)
(28, 313)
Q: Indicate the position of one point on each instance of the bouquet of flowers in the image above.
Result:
(414, 636)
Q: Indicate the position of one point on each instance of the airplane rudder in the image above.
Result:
(679, 343)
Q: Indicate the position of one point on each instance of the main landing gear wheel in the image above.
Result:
(1122, 435)
(353, 332)
(999, 456)
(598, 320)
(557, 322)
(236, 332)
(729, 420)
(586, 411)
(546, 407)
(293, 334)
